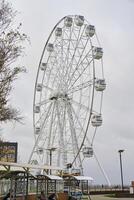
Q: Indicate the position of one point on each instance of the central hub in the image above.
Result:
(58, 95)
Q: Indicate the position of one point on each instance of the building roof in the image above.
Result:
(8, 169)
(5, 165)
(83, 178)
(53, 177)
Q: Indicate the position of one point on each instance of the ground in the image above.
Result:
(101, 197)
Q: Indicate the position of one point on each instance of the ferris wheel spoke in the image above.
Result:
(69, 66)
(77, 118)
(44, 102)
(101, 101)
(61, 140)
(68, 50)
(59, 69)
(76, 67)
(47, 87)
(75, 34)
(94, 136)
(80, 74)
(41, 116)
(80, 87)
(50, 131)
(52, 61)
(80, 105)
(49, 142)
(39, 136)
(82, 60)
(83, 65)
(73, 133)
(64, 136)
(74, 42)
(83, 133)
(62, 65)
(88, 141)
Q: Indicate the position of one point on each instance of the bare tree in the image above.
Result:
(11, 49)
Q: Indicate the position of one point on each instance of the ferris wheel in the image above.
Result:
(68, 95)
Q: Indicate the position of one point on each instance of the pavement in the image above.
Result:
(102, 197)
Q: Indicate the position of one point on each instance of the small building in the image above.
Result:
(24, 184)
(77, 186)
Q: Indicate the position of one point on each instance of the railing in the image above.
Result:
(5, 186)
(108, 188)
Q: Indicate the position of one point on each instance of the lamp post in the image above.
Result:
(50, 156)
(120, 152)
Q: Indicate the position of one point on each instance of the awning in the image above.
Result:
(27, 166)
(53, 177)
(83, 178)
(7, 169)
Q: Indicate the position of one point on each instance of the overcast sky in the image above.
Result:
(114, 22)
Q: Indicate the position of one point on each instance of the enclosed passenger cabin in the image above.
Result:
(100, 85)
(40, 150)
(37, 130)
(87, 152)
(75, 171)
(79, 20)
(96, 120)
(69, 165)
(68, 22)
(50, 47)
(43, 66)
(97, 52)
(37, 109)
(39, 87)
(58, 32)
(90, 30)
(34, 162)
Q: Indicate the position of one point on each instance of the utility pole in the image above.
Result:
(120, 155)
(50, 156)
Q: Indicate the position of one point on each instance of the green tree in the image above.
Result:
(11, 48)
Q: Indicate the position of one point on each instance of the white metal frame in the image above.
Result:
(67, 98)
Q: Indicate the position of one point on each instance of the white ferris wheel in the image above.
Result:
(68, 95)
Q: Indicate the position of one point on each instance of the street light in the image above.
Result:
(121, 151)
(50, 156)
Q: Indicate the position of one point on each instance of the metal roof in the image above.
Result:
(4, 165)
(53, 177)
(8, 169)
(83, 178)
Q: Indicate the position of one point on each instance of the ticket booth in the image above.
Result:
(80, 186)
(49, 184)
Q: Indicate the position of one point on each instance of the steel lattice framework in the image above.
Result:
(68, 94)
